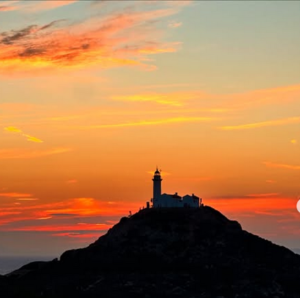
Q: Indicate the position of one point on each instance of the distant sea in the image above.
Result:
(9, 264)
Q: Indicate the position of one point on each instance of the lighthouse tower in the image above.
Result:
(156, 184)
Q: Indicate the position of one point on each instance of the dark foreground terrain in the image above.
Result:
(165, 253)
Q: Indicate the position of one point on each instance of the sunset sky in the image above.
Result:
(95, 94)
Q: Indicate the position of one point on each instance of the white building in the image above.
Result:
(171, 200)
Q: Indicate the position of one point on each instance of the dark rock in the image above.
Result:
(167, 252)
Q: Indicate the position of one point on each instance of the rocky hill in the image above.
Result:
(170, 252)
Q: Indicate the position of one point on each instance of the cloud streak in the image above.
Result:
(258, 98)
(277, 122)
(70, 215)
(44, 5)
(19, 131)
(7, 8)
(15, 195)
(175, 24)
(152, 122)
(78, 235)
(59, 228)
(249, 204)
(123, 38)
(33, 6)
(27, 154)
(32, 139)
(176, 99)
(281, 166)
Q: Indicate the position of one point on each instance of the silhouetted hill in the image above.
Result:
(171, 252)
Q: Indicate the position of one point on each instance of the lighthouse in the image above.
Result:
(165, 200)
(156, 184)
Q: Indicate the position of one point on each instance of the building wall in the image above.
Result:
(191, 201)
(166, 200)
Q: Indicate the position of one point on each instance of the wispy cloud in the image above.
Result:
(268, 213)
(33, 6)
(8, 5)
(178, 98)
(172, 98)
(7, 8)
(15, 195)
(71, 181)
(222, 102)
(78, 235)
(122, 38)
(19, 131)
(277, 122)
(248, 196)
(158, 98)
(60, 228)
(270, 181)
(24, 154)
(251, 204)
(281, 166)
(174, 24)
(264, 195)
(76, 214)
(152, 122)
(13, 129)
(257, 98)
(32, 139)
(36, 6)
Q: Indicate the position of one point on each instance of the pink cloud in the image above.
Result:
(7, 8)
(175, 24)
(34, 6)
(9, 5)
(45, 5)
(118, 39)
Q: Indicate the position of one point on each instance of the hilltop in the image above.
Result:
(165, 252)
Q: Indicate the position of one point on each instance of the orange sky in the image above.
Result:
(94, 95)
